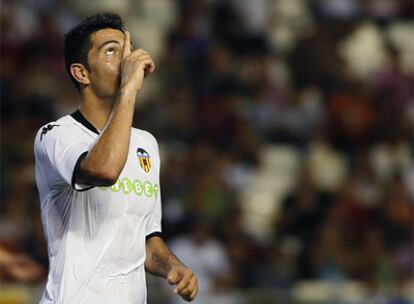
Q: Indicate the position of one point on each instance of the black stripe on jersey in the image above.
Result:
(77, 115)
(159, 234)
(76, 170)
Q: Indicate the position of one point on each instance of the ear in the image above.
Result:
(80, 73)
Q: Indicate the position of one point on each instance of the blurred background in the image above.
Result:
(285, 131)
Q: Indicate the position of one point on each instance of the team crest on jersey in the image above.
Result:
(144, 159)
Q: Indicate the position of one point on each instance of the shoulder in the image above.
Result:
(63, 128)
(147, 135)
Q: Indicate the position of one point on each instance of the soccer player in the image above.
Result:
(98, 179)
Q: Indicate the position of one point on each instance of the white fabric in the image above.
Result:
(96, 237)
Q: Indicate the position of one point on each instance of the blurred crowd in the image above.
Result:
(332, 80)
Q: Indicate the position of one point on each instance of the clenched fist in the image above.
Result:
(185, 280)
(135, 66)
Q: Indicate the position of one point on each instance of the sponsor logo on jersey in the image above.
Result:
(144, 159)
(136, 187)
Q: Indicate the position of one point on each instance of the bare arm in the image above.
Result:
(159, 258)
(105, 161)
(162, 262)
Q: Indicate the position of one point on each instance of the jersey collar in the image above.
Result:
(77, 115)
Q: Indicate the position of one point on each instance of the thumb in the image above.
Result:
(173, 276)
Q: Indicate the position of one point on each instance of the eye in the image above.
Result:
(109, 51)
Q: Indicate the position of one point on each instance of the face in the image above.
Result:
(104, 59)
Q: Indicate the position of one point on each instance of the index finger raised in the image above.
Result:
(127, 45)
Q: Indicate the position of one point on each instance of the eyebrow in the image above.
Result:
(108, 42)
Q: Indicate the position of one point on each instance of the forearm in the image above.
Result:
(105, 161)
(159, 259)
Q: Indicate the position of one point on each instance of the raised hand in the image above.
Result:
(135, 65)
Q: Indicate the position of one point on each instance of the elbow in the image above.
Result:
(102, 176)
(107, 179)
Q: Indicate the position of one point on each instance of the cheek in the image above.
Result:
(109, 65)
(107, 74)
(111, 69)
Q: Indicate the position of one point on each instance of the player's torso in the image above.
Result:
(96, 237)
(111, 220)
(106, 236)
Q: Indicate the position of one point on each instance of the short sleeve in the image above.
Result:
(153, 226)
(63, 146)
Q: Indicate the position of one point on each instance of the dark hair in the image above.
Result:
(77, 40)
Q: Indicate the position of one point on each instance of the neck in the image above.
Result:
(96, 110)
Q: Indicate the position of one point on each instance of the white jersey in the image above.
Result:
(96, 235)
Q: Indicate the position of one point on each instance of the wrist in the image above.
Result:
(126, 94)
